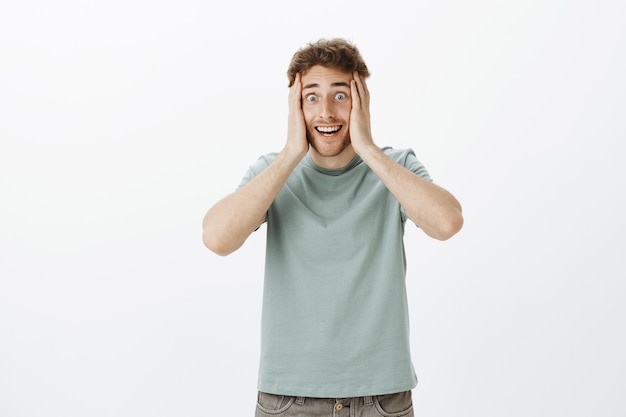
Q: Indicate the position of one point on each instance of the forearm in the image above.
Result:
(429, 206)
(227, 225)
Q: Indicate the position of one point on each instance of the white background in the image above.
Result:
(122, 122)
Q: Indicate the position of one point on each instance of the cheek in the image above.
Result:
(346, 112)
(308, 114)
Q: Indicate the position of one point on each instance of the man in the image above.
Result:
(335, 330)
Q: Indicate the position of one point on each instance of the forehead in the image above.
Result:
(318, 76)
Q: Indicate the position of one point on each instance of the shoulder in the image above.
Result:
(407, 158)
(263, 162)
(391, 152)
(400, 155)
(255, 169)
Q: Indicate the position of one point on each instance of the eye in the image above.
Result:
(311, 98)
(340, 96)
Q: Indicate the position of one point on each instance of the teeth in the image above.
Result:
(327, 129)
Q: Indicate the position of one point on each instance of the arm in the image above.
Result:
(227, 225)
(429, 206)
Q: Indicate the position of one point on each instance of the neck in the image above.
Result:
(333, 162)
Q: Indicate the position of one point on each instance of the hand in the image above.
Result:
(360, 129)
(297, 143)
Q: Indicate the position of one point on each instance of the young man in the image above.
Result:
(335, 329)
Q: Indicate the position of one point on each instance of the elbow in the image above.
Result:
(215, 244)
(450, 227)
(445, 227)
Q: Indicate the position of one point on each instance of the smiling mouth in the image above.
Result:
(328, 131)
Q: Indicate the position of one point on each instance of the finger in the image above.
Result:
(293, 87)
(295, 92)
(364, 93)
(356, 97)
(299, 90)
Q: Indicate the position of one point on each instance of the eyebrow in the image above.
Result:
(337, 84)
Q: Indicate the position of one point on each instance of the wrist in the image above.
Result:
(365, 149)
(293, 154)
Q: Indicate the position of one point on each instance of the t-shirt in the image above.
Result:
(335, 317)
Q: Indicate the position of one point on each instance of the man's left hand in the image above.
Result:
(360, 129)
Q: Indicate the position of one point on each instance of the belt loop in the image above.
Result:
(300, 400)
(368, 400)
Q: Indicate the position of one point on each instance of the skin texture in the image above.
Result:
(324, 97)
(326, 103)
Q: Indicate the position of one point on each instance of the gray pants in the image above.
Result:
(391, 405)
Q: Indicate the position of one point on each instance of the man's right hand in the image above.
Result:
(232, 219)
(297, 144)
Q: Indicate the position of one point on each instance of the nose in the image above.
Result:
(326, 109)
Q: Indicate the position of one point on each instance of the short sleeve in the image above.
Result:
(256, 168)
(407, 158)
(413, 164)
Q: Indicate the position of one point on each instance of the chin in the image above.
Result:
(330, 150)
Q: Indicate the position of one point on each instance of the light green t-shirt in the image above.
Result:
(335, 317)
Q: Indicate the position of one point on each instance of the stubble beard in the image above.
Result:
(328, 153)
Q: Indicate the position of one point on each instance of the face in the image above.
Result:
(326, 104)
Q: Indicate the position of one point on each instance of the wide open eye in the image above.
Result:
(312, 98)
(340, 96)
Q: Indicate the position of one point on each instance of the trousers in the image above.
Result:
(390, 405)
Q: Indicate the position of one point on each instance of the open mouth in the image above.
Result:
(328, 131)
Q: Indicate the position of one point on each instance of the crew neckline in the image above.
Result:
(334, 172)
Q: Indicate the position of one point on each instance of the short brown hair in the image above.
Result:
(334, 53)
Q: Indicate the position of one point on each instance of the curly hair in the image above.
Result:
(334, 53)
